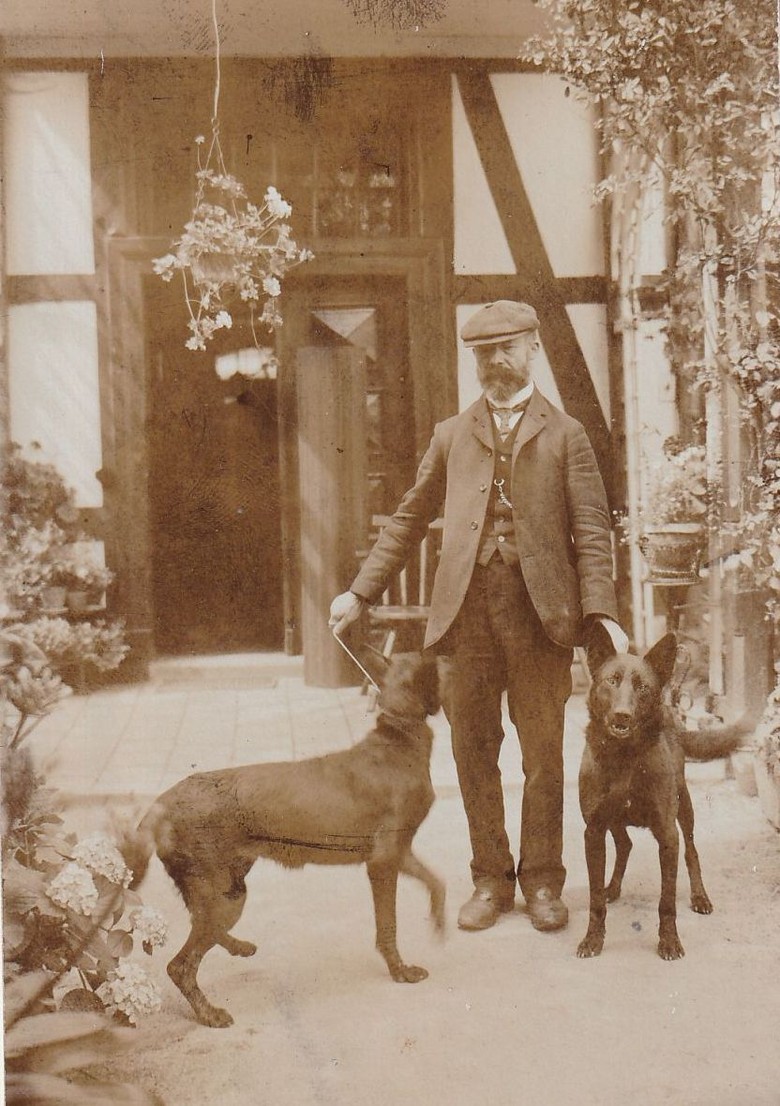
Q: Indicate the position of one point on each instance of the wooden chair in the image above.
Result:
(404, 606)
(403, 609)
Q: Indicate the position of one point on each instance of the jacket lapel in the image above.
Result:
(481, 422)
(531, 422)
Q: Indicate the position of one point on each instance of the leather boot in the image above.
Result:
(483, 908)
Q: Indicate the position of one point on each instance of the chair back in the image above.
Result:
(413, 585)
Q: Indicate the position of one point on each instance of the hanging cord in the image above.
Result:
(217, 60)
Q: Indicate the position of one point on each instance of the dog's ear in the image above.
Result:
(662, 658)
(374, 662)
(599, 647)
(410, 687)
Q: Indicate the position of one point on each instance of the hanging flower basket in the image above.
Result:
(673, 551)
(215, 268)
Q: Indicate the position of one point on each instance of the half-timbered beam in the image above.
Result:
(535, 279)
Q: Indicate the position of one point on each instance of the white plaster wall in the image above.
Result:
(590, 325)
(48, 191)
(480, 242)
(556, 147)
(657, 411)
(54, 391)
(653, 236)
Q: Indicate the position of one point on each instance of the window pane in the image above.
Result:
(47, 173)
(53, 385)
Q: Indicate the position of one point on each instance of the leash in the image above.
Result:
(355, 661)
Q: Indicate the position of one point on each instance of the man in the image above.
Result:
(525, 573)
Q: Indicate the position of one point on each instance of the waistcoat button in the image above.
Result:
(474, 525)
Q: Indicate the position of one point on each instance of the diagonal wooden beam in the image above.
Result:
(535, 273)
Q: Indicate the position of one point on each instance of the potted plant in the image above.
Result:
(673, 516)
(231, 250)
(84, 578)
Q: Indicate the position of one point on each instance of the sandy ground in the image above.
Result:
(508, 1015)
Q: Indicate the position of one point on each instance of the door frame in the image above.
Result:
(419, 262)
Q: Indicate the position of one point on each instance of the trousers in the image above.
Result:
(499, 645)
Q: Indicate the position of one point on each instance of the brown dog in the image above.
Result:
(359, 806)
(633, 774)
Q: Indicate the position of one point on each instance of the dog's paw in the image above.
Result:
(613, 890)
(670, 948)
(701, 903)
(408, 973)
(214, 1017)
(238, 948)
(590, 947)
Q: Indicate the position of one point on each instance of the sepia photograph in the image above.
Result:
(390, 552)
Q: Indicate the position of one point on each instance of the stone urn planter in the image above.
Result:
(673, 552)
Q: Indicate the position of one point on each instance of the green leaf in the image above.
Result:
(46, 1029)
(21, 990)
(50, 1090)
(119, 942)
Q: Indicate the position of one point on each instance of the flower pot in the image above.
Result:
(53, 598)
(214, 268)
(768, 786)
(673, 552)
(77, 600)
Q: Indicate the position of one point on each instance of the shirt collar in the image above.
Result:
(519, 397)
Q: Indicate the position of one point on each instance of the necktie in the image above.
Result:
(505, 414)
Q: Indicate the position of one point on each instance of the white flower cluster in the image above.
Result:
(277, 206)
(74, 889)
(100, 856)
(149, 925)
(129, 990)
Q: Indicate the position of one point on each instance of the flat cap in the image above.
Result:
(498, 322)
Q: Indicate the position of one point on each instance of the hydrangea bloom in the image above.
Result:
(276, 205)
(74, 889)
(150, 926)
(129, 990)
(100, 856)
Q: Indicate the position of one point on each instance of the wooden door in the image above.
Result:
(214, 495)
(332, 464)
(344, 350)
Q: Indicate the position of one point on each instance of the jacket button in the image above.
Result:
(474, 525)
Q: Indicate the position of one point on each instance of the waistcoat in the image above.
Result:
(498, 533)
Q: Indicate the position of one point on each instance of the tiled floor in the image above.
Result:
(140, 739)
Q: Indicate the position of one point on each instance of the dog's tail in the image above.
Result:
(137, 844)
(711, 741)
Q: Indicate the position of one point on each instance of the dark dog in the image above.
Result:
(360, 806)
(633, 774)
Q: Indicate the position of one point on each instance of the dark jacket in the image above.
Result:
(560, 515)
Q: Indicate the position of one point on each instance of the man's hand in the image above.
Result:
(344, 610)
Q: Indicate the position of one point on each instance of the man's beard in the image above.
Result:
(502, 383)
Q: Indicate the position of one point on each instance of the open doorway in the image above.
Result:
(214, 490)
